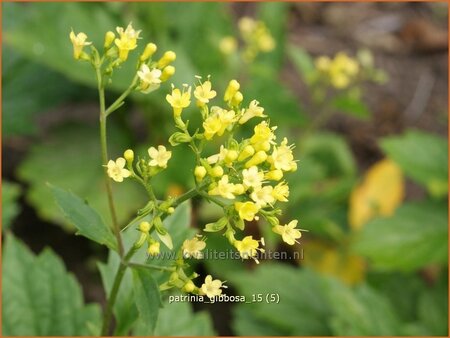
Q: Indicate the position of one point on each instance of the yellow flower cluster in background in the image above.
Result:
(255, 36)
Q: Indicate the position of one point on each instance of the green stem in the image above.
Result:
(212, 199)
(114, 291)
(116, 104)
(152, 266)
(104, 149)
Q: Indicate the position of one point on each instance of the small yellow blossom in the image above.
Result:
(78, 41)
(274, 175)
(237, 99)
(203, 93)
(212, 288)
(282, 157)
(223, 188)
(150, 79)
(340, 71)
(116, 170)
(247, 210)
(218, 122)
(263, 136)
(253, 110)
(281, 192)
(149, 50)
(166, 59)
(179, 100)
(288, 232)
(129, 155)
(263, 196)
(167, 73)
(248, 247)
(252, 178)
(322, 63)
(246, 152)
(228, 45)
(144, 227)
(109, 39)
(127, 40)
(193, 247)
(258, 158)
(189, 287)
(154, 249)
(160, 157)
(238, 189)
(217, 171)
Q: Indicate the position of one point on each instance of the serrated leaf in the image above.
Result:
(10, 208)
(423, 157)
(87, 221)
(147, 297)
(70, 158)
(414, 237)
(39, 297)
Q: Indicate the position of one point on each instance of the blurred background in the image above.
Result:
(360, 88)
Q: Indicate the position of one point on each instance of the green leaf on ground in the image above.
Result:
(414, 237)
(40, 298)
(423, 157)
(70, 159)
(147, 298)
(87, 221)
(10, 208)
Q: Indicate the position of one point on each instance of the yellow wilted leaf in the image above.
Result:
(333, 261)
(379, 194)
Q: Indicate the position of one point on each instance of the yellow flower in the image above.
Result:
(193, 247)
(247, 210)
(262, 137)
(212, 288)
(228, 45)
(179, 100)
(322, 63)
(149, 50)
(282, 157)
(253, 110)
(160, 157)
(258, 158)
(226, 155)
(166, 59)
(274, 175)
(248, 247)
(224, 188)
(218, 122)
(78, 41)
(246, 152)
(116, 170)
(167, 73)
(127, 40)
(199, 172)
(342, 70)
(252, 177)
(266, 43)
(154, 248)
(232, 89)
(379, 194)
(288, 232)
(263, 196)
(281, 192)
(203, 93)
(129, 155)
(150, 79)
(109, 39)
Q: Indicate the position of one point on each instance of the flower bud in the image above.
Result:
(231, 90)
(237, 99)
(129, 155)
(238, 189)
(171, 210)
(246, 152)
(258, 158)
(109, 39)
(140, 241)
(144, 227)
(216, 226)
(179, 137)
(274, 175)
(149, 50)
(273, 221)
(189, 287)
(167, 73)
(231, 156)
(199, 172)
(153, 249)
(217, 171)
(166, 59)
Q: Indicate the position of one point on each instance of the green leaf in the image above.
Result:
(301, 310)
(351, 106)
(178, 319)
(360, 312)
(423, 157)
(302, 61)
(433, 310)
(87, 221)
(416, 236)
(70, 158)
(124, 309)
(10, 208)
(40, 298)
(147, 298)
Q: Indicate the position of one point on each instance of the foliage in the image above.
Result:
(10, 207)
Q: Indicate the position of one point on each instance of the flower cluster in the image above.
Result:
(244, 177)
(150, 73)
(255, 36)
(343, 71)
